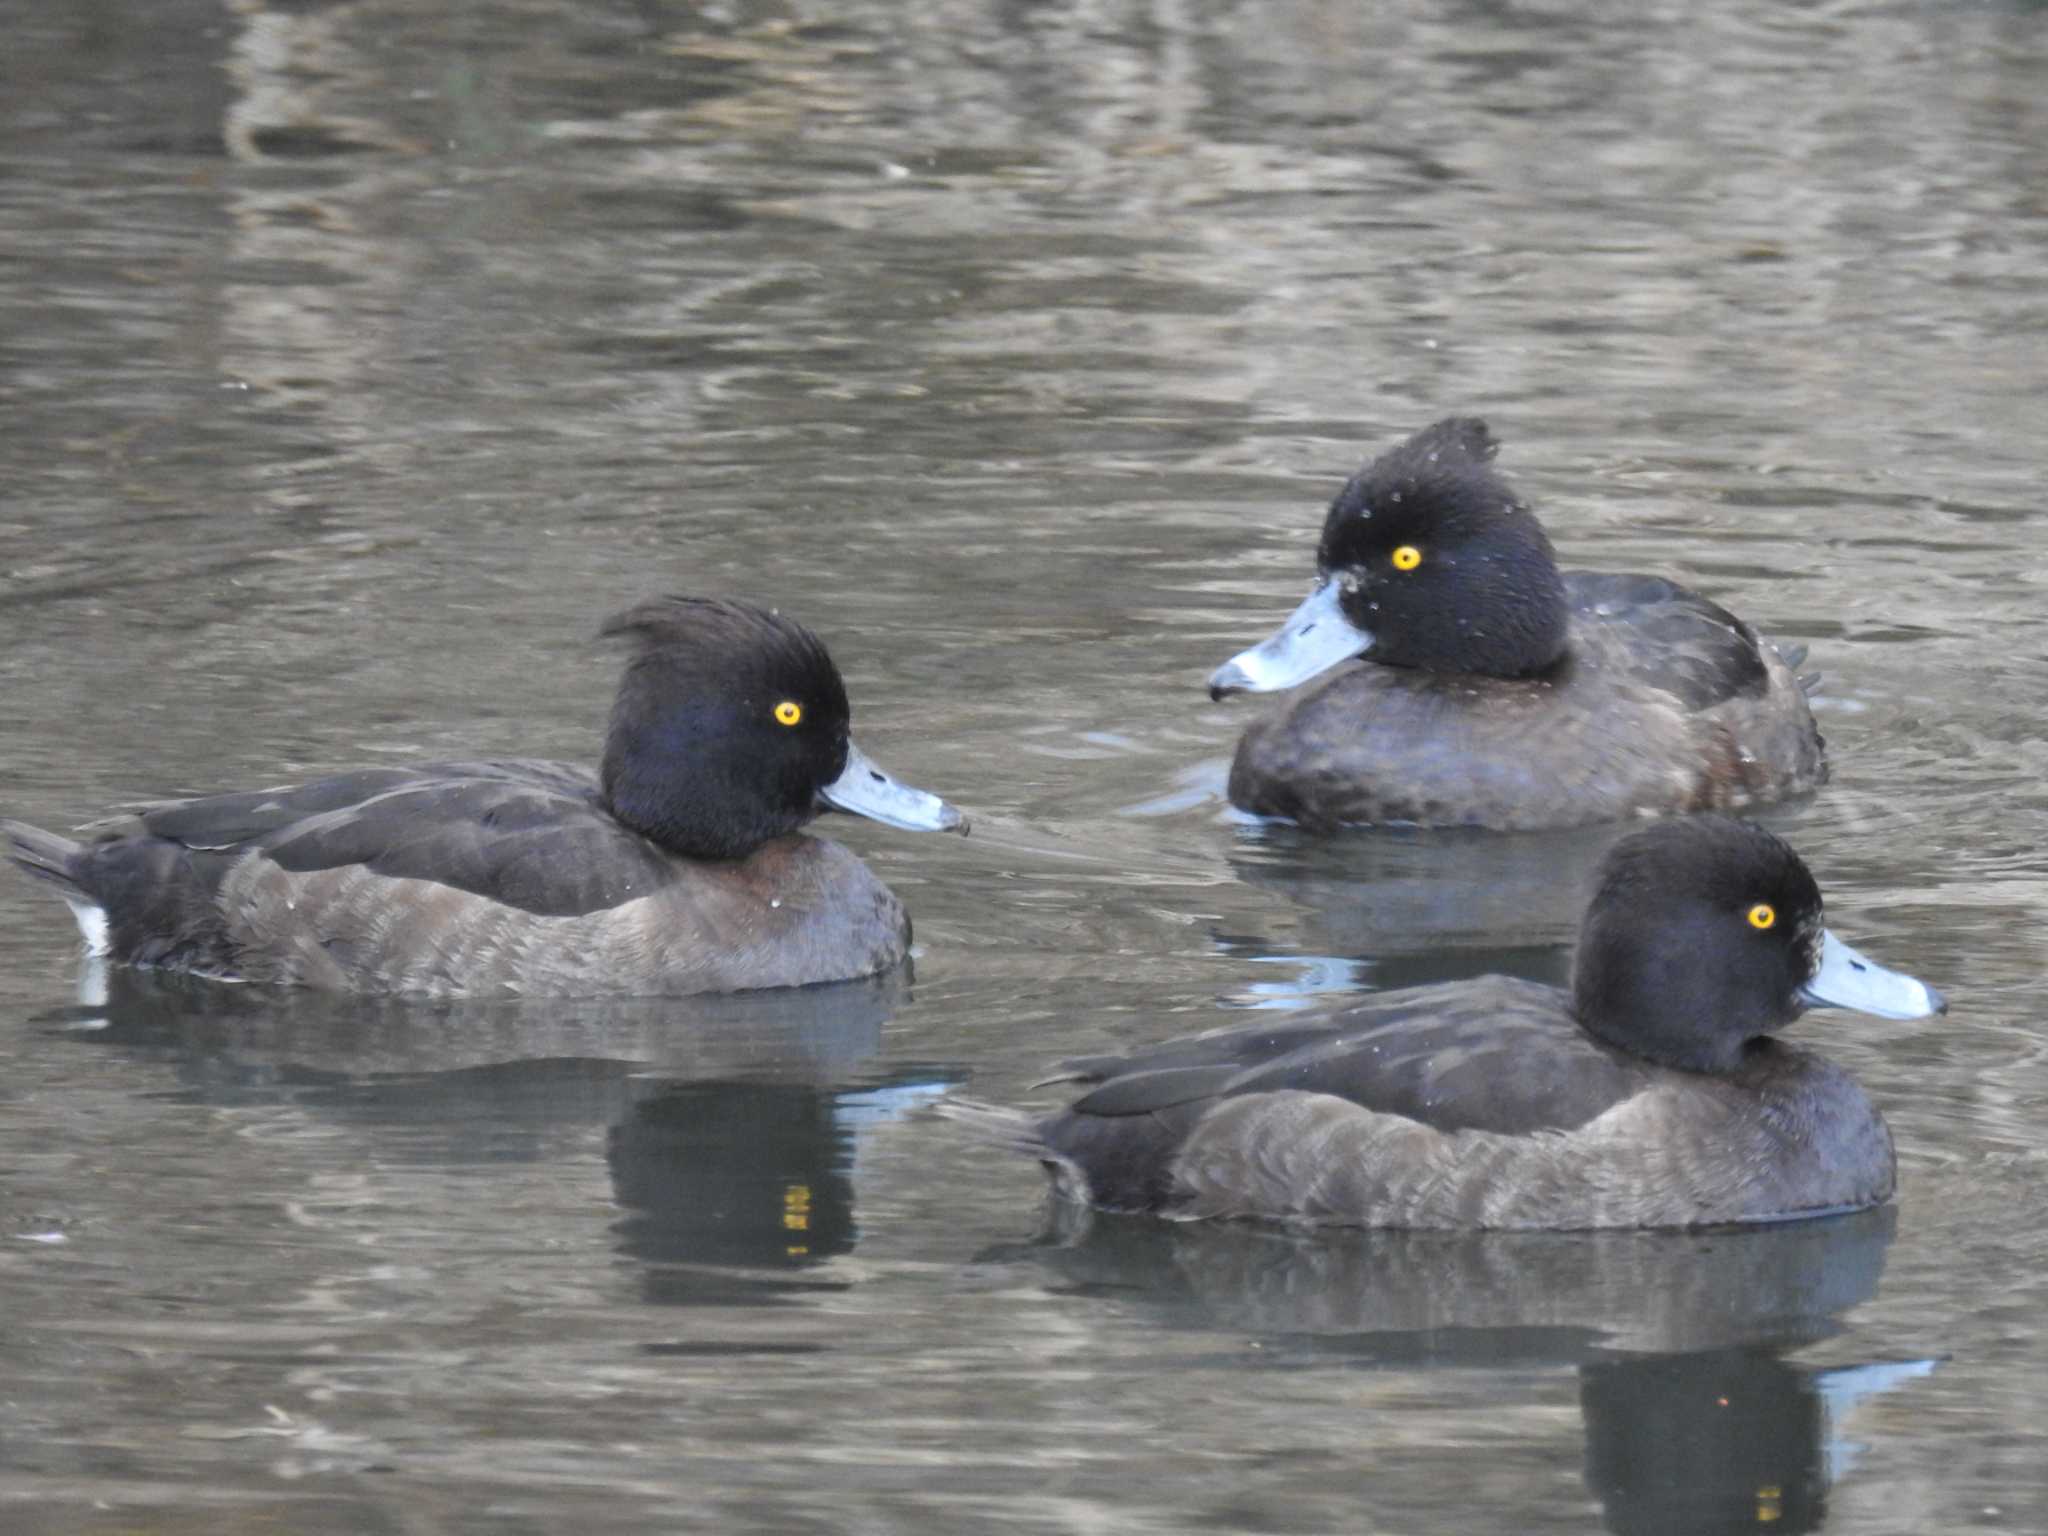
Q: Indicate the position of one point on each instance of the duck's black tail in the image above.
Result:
(60, 862)
(992, 1123)
(1026, 1133)
(47, 857)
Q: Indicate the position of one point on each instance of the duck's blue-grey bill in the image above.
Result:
(1315, 638)
(1847, 980)
(867, 791)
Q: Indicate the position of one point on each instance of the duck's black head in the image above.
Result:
(731, 727)
(1705, 933)
(1428, 559)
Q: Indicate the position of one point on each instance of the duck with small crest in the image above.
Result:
(679, 866)
(1496, 690)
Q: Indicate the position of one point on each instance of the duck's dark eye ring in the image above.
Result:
(789, 712)
(1763, 915)
(1407, 557)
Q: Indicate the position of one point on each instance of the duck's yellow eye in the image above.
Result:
(1763, 915)
(1407, 557)
(788, 712)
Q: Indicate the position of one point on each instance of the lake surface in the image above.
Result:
(357, 358)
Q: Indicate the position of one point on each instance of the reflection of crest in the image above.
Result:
(742, 1174)
(749, 1174)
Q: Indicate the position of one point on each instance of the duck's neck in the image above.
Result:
(1667, 1005)
(1532, 636)
(1667, 1042)
(687, 805)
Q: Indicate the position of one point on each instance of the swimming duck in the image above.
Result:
(677, 867)
(1653, 1094)
(1499, 691)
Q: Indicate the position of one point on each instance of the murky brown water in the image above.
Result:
(357, 358)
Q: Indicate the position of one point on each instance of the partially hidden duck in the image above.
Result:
(1478, 685)
(677, 867)
(1654, 1093)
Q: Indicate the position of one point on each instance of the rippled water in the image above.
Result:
(356, 358)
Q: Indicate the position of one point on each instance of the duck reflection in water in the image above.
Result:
(424, 1063)
(1724, 1440)
(1694, 1419)
(732, 1123)
(1398, 907)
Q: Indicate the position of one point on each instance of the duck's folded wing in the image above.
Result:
(1228, 1060)
(213, 822)
(531, 835)
(1671, 638)
(1491, 1054)
(1511, 1074)
(1232, 1049)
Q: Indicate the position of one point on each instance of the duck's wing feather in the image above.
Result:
(1671, 638)
(527, 834)
(237, 819)
(1492, 1055)
(1230, 1050)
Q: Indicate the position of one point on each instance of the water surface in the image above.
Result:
(356, 359)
